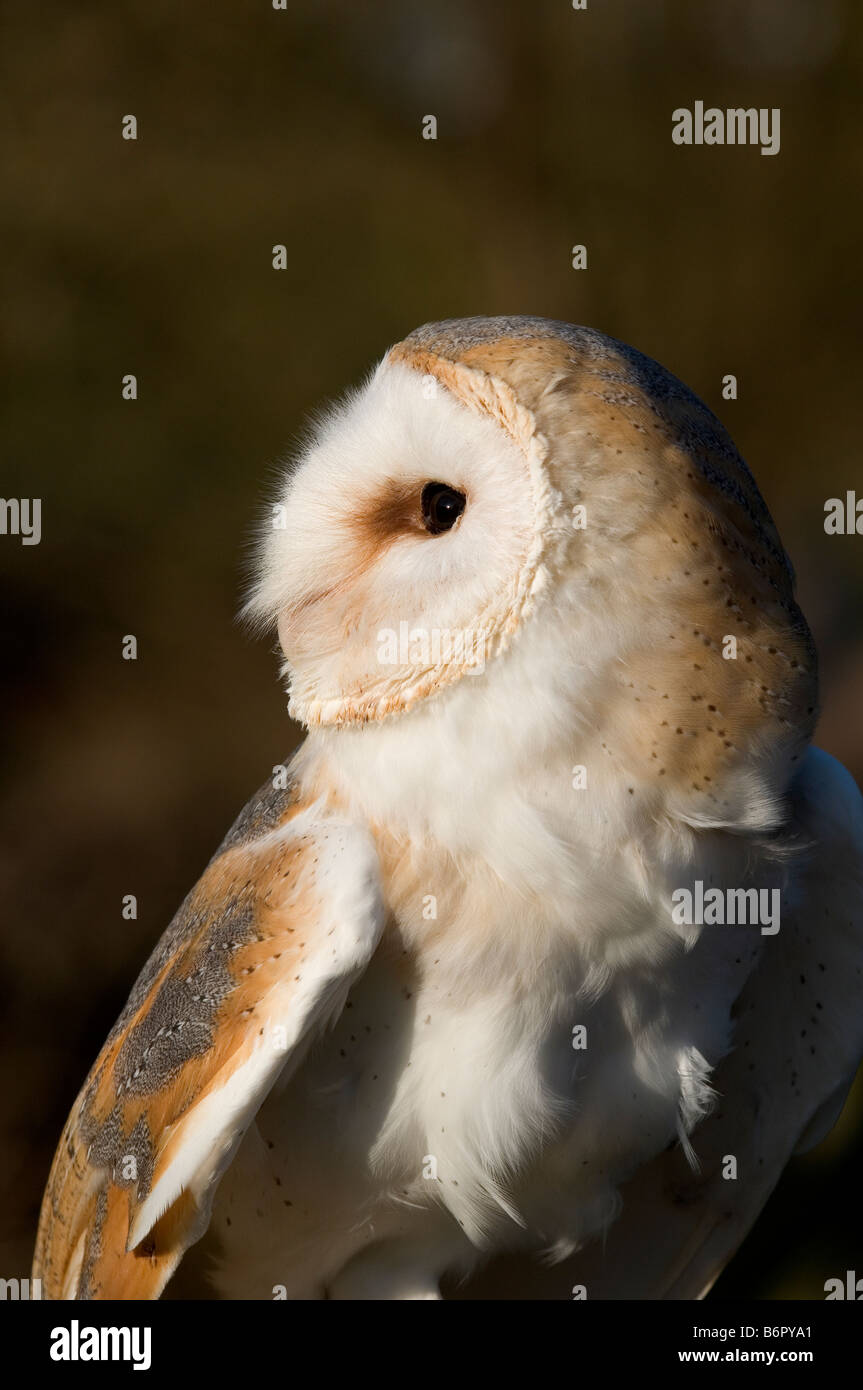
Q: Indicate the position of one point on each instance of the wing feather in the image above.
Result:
(259, 957)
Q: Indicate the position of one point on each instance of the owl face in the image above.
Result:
(547, 510)
(407, 545)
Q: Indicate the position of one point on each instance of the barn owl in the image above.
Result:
(434, 1017)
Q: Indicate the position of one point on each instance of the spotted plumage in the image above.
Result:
(428, 1020)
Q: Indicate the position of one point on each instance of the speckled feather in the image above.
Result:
(606, 646)
(229, 963)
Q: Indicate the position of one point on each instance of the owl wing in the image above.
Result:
(798, 1041)
(258, 959)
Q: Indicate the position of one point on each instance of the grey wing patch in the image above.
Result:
(262, 813)
(266, 809)
(267, 944)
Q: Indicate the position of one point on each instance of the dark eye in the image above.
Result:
(442, 506)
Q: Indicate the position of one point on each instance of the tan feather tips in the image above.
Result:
(720, 672)
(287, 911)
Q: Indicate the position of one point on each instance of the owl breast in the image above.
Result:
(487, 1087)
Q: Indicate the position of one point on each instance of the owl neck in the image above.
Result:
(526, 789)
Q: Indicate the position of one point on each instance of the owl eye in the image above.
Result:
(442, 506)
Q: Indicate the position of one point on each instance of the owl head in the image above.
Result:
(523, 505)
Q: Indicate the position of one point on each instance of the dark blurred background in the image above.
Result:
(304, 127)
